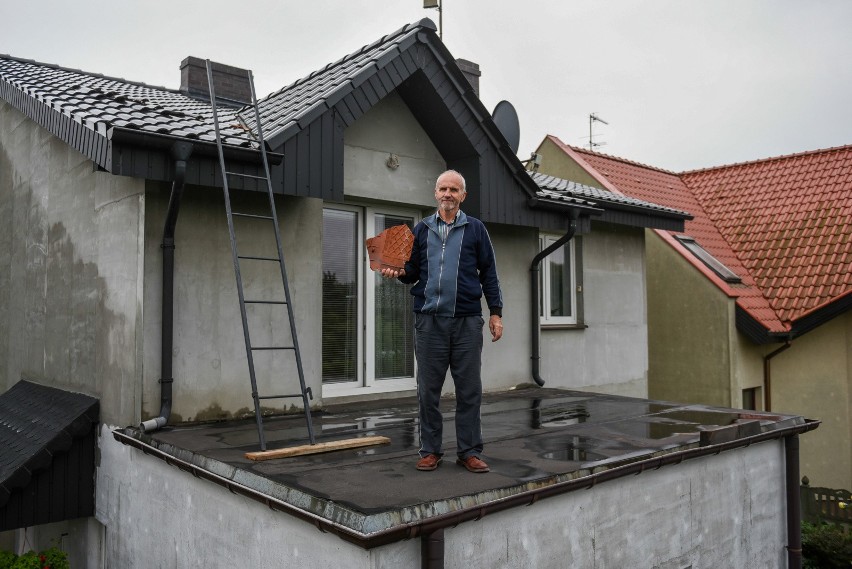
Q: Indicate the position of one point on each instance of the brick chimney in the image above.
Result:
(231, 83)
(471, 72)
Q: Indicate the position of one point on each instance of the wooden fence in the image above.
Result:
(826, 504)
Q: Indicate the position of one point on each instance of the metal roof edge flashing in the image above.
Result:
(755, 331)
(146, 139)
(475, 512)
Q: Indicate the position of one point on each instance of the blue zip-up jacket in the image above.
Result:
(450, 277)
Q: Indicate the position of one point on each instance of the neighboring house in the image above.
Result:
(93, 174)
(749, 306)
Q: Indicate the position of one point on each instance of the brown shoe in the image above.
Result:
(429, 462)
(473, 464)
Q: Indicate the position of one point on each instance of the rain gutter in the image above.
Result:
(431, 530)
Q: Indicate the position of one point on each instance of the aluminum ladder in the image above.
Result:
(271, 219)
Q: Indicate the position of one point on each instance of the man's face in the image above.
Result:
(449, 193)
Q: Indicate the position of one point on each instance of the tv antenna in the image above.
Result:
(593, 118)
(437, 4)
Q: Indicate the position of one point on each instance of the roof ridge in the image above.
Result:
(88, 73)
(770, 159)
(616, 158)
(424, 23)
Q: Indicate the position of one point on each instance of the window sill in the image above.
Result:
(564, 326)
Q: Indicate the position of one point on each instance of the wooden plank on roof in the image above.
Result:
(318, 448)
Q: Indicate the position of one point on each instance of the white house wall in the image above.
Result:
(723, 510)
(70, 270)
(610, 355)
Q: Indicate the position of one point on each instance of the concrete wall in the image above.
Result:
(209, 358)
(610, 354)
(813, 378)
(386, 129)
(726, 510)
(690, 326)
(506, 363)
(71, 268)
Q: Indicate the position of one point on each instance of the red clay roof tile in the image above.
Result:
(782, 224)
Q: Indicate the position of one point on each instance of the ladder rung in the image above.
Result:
(265, 301)
(252, 215)
(278, 396)
(273, 348)
(258, 258)
(252, 176)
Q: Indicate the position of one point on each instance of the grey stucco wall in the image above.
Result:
(609, 355)
(209, 358)
(724, 510)
(390, 128)
(71, 269)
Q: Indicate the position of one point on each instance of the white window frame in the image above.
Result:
(366, 382)
(545, 240)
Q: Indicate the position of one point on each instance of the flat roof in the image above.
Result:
(538, 442)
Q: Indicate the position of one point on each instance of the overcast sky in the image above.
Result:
(683, 84)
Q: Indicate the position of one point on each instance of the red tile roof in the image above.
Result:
(782, 224)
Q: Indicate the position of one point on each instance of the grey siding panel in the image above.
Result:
(290, 166)
(327, 153)
(302, 156)
(362, 101)
(368, 89)
(343, 112)
(352, 106)
(315, 134)
(337, 162)
(381, 83)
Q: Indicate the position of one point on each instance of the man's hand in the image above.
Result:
(389, 273)
(495, 324)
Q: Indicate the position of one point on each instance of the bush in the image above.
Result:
(6, 559)
(52, 558)
(826, 546)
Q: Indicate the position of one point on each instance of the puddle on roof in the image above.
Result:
(571, 448)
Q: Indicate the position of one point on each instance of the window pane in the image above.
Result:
(394, 318)
(560, 282)
(339, 296)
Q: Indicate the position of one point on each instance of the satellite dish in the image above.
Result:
(506, 119)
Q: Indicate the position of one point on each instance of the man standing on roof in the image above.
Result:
(452, 264)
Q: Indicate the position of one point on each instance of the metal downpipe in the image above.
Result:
(794, 505)
(432, 550)
(535, 327)
(180, 152)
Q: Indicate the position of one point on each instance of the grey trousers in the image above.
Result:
(442, 343)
